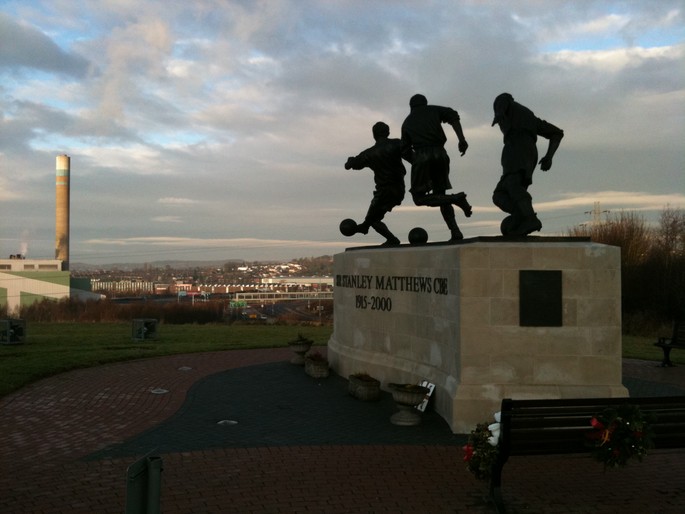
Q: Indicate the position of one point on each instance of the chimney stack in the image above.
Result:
(63, 166)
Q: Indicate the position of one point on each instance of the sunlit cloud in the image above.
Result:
(171, 200)
(631, 200)
(209, 244)
(610, 60)
(135, 159)
(167, 219)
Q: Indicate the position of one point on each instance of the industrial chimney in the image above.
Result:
(63, 165)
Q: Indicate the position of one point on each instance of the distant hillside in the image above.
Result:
(180, 264)
(315, 264)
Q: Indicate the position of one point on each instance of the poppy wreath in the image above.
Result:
(619, 434)
(482, 448)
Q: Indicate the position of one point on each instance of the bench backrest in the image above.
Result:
(531, 427)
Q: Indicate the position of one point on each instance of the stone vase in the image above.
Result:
(364, 387)
(300, 347)
(407, 397)
(316, 368)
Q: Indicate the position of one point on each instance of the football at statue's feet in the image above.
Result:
(348, 227)
(418, 236)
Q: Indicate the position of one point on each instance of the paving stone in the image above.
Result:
(300, 445)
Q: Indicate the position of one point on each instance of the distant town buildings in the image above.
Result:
(137, 287)
(24, 281)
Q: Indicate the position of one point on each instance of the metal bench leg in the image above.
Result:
(666, 363)
(496, 485)
(496, 497)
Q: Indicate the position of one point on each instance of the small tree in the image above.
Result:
(627, 230)
(668, 261)
(670, 236)
(652, 263)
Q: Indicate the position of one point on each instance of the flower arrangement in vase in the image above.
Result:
(316, 365)
(300, 346)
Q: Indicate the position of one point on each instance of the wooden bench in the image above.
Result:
(548, 427)
(677, 340)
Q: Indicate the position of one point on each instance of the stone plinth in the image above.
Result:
(452, 314)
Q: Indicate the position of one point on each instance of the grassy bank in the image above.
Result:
(52, 348)
(637, 347)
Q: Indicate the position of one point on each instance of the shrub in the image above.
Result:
(73, 310)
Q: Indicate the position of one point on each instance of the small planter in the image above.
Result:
(315, 365)
(144, 329)
(364, 387)
(407, 397)
(300, 346)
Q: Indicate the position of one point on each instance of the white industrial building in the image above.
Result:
(25, 281)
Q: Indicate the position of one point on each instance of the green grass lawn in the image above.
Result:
(635, 347)
(52, 348)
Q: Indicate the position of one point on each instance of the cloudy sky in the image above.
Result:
(218, 129)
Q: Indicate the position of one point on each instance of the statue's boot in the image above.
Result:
(382, 229)
(456, 234)
(454, 228)
(438, 200)
(529, 220)
(363, 228)
(459, 199)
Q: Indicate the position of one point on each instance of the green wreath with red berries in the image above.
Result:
(620, 434)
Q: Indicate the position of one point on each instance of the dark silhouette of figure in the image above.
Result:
(422, 132)
(385, 160)
(521, 129)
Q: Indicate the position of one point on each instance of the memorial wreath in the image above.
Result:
(482, 448)
(620, 434)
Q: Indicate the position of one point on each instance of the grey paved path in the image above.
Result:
(299, 445)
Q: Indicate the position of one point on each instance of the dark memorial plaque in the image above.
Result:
(540, 298)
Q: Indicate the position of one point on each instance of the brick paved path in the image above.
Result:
(49, 429)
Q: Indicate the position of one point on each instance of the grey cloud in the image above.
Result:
(25, 121)
(22, 46)
(654, 74)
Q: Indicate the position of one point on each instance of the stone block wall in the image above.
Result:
(450, 314)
